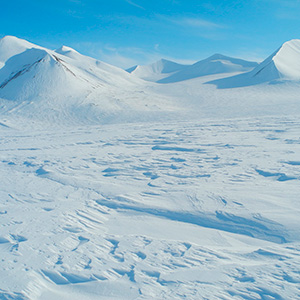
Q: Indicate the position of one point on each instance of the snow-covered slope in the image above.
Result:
(214, 64)
(282, 65)
(10, 46)
(64, 87)
(156, 71)
(39, 82)
(39, 71)
(96, 69)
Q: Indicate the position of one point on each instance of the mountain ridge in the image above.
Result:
(166, 71)
(63, 85)
(215, 64)
(282, 65)
(157, 70)
(11, 45)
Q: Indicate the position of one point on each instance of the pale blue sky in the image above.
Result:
(128, 32)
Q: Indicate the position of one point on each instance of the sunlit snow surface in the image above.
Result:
(183, 210)
(117, 188)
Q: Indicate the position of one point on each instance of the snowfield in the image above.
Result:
(138, 190)
(152, 211)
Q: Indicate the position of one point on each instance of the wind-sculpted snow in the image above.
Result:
(195, 210)
(219, 220)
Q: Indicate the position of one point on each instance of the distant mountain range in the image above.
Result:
(62, 84)
(165, 71)
(157, 71)
(282, 65)
(35, 70)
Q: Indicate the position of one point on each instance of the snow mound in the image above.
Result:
(283, 65)
(157, 70)
(215, 64)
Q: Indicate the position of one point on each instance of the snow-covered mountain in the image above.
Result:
(64, 86)
(10, 46)
(64, 82)
(215, 64)
(165, 71)
(157, 71)
(282, 65)
(38, 71)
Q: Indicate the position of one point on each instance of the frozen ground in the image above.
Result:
(183, 210)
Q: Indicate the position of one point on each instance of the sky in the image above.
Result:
(129, 32)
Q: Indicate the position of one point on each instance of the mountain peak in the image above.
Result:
(289, 48)
(215, 64)
(292, 42)
(164, 61)
(11, 46)
(65, 50)
(157, 70)
(217, 56)
(10, 38)
(283, 64)
(166, 66)
(22, 63)
(12, 41)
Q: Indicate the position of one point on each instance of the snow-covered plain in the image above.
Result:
(195, 197)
